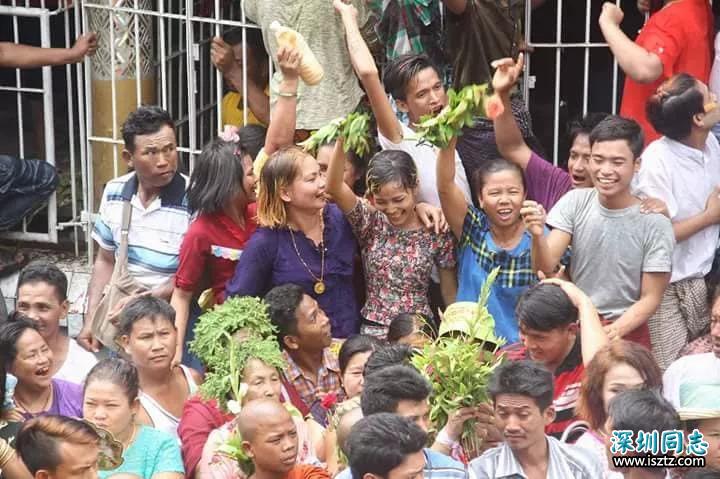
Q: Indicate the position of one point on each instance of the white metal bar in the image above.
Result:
(528, 55)
(586, 66)
(113, 92)
(163, 53)
(21, 89)
(189, 39)
(613, 108)
(49, 123)
(71, 132)
(172, 16)
(556, 113)
(79, 72)
(218, 75)
(138, 72)
(90, 183)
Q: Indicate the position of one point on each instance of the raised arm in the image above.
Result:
(281, 131)
(547, 250)
(651, 292)
(367, 71)
(338, 189)
(452, 198)
(508, 137)
(637, 63)
(592, 334)
(25, 56)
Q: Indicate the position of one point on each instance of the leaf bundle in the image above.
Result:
(353, 129)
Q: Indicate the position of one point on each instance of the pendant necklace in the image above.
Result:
(319, 286)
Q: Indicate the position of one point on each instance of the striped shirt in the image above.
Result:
(564, 461)
(156, 231)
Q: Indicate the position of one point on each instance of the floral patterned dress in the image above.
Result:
(398, 266)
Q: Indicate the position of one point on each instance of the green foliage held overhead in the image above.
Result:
(353, 129)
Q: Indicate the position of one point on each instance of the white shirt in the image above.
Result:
(714, 83)
(683, 177)
(425, 157)
(695, 368)
(77, 365)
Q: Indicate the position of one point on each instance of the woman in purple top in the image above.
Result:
(26, 355)
(302, 239)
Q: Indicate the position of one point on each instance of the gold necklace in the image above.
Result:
(319, 286)
(132, 438)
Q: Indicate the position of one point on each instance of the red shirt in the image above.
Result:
(198, 419)
(566, 382)
(212, 247)
(681, 35)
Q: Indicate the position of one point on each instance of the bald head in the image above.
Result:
(347, 421)
(258, 415)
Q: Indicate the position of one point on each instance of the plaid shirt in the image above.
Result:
(409, 26)
(328, 378)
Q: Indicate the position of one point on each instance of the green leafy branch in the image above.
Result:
(462, 109)
(353, 129)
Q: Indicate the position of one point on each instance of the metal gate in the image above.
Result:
(157, 51)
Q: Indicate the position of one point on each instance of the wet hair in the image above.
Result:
(674, 104)
(360, 343)
(39, 440)
(280, 170)
(584, 125)
(282, 302)
(391, 166)
(252, 139)
(400, 72)
(37, 272)
(388, 355)
(642, 410)
(401, 325)
(544, 307)
(614, 128)
(146, 120)
(524, 378)
(384, 389)
(143, 307)
(10, 334)
(217, 177)
(118, 371)
(360, 164)
(590, 405)
(379, 443)
(490, 167)
(253, 40)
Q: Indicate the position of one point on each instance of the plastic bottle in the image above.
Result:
(311, 72)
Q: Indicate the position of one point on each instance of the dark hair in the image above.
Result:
(217, 177)
(360, 343)
(642, 410)
(282, 302)
(146, 120)
(379, 443)
(590, 405)
(384, 389)
(524, 378)
(584, 125)
(673, 105)
(253, 40)
(490, 167)
(702, 474)
(119, 372)
(391, 166)
(614, 128)
(401, 325)
(38, 441)
(544, 307)
(143, 307)
(10, 333)
(252, 139)
(401, 71)
(37, 272)
(388, 355)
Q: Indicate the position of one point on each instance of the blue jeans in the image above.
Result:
(24, 184)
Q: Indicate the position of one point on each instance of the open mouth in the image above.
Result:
(505, 213)
(577, 179)
(606, 182)
(43, 372)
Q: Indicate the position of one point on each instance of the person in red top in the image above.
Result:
(222, 193)
(678, 38)
(548, 314)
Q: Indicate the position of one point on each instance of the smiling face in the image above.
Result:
(307, 190)
(154, 158)
(397, 203)
(715, 328)
(151, 343)
(578, 161)
(40, 302)
(424, 95)
(621, 377)
(106, 405)
(324, 154)
(33, 363)
(612, 166)
(501, 197)
(521, 421)
(548, 347)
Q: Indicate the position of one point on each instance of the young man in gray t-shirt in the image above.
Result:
(621, 257)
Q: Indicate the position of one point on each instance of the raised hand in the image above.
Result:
(611, 13)
(289, 62)
(533, 215)
(507, 72)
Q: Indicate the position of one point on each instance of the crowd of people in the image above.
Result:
(260, 317)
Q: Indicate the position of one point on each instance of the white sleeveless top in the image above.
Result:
(161, 418)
